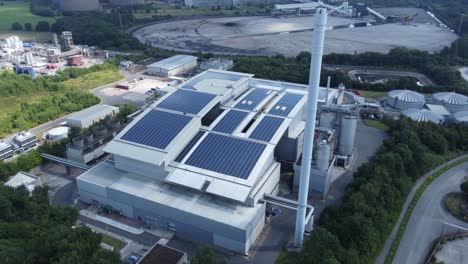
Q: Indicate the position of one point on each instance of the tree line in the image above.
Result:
(355, 230)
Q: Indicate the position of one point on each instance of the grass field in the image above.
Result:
(9, 105)
(373, 94)
(93, 80)
(18, 11)
(117, 244)
(376, 124)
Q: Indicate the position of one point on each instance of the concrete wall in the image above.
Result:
(139, 167)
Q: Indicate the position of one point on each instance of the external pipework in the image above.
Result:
(312, 98)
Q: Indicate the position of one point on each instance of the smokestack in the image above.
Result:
(328, 90)
(314, 80)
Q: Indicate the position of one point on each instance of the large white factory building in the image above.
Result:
(200, 160)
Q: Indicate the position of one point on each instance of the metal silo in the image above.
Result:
(323, 155)
(461, 117)
(452, 101)
(405, 99)
(347, 134)
(327, 119)
(423, 115)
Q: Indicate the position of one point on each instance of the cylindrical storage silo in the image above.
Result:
(461, 117)
(423, 115)
(405, 99)
(327, 119)
(347, 134)
(323, 155)
(99, 130)
(78, 142)
(452, 101)
(57, 133)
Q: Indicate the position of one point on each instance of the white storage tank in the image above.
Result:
(423, 115)
(347, 134)
(454, 102)
(58, 133)
(327, 119)
(461, 117)
(323, 155)
(405, 99)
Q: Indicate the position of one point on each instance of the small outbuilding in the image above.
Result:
(87, 117)
(172, 66)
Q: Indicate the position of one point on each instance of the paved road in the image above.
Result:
(427, 221)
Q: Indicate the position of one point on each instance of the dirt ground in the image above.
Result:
(291, 35)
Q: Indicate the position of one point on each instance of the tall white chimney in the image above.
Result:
(314, 81)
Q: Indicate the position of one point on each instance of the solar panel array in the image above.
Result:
(156, 129)
(250, 101)
(286, 104)
(189, 146)
(267, 128)
(230, 121)
(187, 101)
(227, 155)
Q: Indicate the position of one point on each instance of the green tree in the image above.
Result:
(16, 26)
(205, 255)
(43, 26)
(27, 26)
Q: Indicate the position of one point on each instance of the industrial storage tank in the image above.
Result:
(461, 117)
(423, 115)
(327, 119)
(347, 134)
(454, 102)
(323, 155)
(58, 133)
(405, 99)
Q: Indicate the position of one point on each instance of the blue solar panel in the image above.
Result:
(267, 128)
(189, 146)
(186, 101)
(230, 121)
(285, 104)
(250, 101)
(227, 155)
(156, 129)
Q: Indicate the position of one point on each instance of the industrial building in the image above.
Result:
(6, 150)
(24, 141)
(454, 102)
(23, 179)
(216, 64)
(423, 115)
(78, 5)
(200, 160)
(91, 115)
(90, 146)
(172, 66)
(405, 99)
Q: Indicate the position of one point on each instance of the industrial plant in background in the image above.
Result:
(18, 144)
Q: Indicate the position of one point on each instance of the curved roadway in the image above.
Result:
(429, 219)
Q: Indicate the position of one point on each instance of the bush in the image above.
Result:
(42, 26)
(16, 26)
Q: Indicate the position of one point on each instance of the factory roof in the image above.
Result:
(23, 178)
(232, 151)
(451, 98)
(174, 62)
(406, 95)
(92, 113)
(423, 115)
